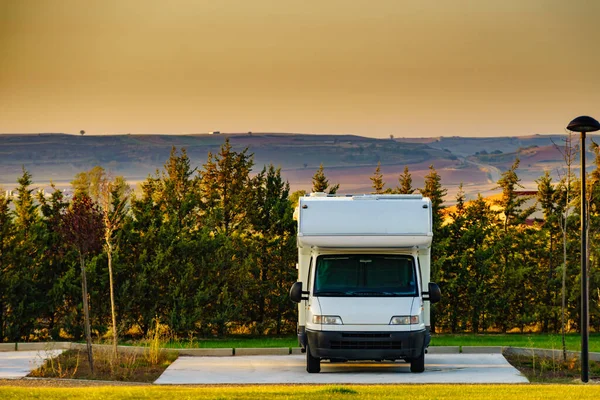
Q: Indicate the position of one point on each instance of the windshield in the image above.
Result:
(365, 275)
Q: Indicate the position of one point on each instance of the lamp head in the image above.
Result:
(584, 124)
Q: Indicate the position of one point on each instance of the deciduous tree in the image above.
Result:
(83, 230)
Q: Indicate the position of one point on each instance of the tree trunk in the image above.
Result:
(112, 300)
(86, 314)
(563, 292)
(1, 321)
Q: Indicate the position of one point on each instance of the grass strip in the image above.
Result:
(236, 342)
(413, 392)
(533, 340)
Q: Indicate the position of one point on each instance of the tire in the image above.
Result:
(313, 364)
(417, 365)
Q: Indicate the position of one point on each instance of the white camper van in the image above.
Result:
(363, 278)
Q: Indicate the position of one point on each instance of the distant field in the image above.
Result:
(311, 392)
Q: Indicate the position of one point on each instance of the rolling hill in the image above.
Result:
(349, 160)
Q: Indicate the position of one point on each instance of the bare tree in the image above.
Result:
(114, 195)
(569, 153)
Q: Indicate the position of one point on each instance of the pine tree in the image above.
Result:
(27, 301)
(511, 202)
(228, 200)
(55, 265)
(25, 209)
(478, 238)
(321, 183)
(434, 190)
(405, 181)
(273, 240)
(547, 199)
(453, 276)
(7, 234)
(510, 266)
(177, 190)
(225, 187)
(377, 180)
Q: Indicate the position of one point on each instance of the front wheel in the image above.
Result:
(418, 364)
(313, 364)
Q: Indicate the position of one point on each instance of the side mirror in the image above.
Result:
(434, 293)
(296, 292)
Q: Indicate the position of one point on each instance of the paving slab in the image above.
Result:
(18, 364)
(482, 349)
(439, 368)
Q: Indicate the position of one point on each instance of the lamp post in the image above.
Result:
(584, 124)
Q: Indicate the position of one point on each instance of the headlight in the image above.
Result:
(405, 320)
(327, 320)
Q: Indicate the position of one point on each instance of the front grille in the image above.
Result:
(364, 345)
(366, 335)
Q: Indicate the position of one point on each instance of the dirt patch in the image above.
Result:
(551, 370)
(126, 367)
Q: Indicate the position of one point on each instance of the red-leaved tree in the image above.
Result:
(83, 230)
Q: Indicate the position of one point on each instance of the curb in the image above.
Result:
(443, 350)
(481, 349)
(8, 347)
(265, 351)
(226, 352)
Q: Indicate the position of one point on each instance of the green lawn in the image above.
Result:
(547, 341)
(538, 340)
(413, 392)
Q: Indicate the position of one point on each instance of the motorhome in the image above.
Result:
(364, 289)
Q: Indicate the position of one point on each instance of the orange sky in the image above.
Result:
(368, 67)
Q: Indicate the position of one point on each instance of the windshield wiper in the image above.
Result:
(373, 293)
(331, 293)
(367, 293)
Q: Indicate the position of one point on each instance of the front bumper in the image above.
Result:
(366, 345)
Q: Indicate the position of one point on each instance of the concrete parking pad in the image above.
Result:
(18, 364)
(439, 368)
